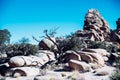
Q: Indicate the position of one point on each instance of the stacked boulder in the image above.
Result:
(95, 27)
(87, 59)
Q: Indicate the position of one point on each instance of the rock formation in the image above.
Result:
(40, 59)
(115, 34)
(92, 57)
(95, 27)
(85, 59)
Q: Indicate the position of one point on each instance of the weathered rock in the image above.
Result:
(107, 70)
(86, 58)
(97, 58)
(42, 57)
(18, 61)
(105, 58)
(80, 66)
(3, 68)
(94, 65)
(24, 71)
(47, 44)
(9, 72)
(46, 54)
(115, 34)
(72, 55)
(95, 27)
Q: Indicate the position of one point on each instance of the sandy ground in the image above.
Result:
(75, 75)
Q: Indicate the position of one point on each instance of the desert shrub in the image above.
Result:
(72, 42)
(110, 47)
(21, 49)
(65, 45)
(117, 62)
(78, 43)
(2, 49)
(115, 75)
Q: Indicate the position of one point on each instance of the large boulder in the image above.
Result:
(87, 58)
(23, 71)
(97, 58)
(26, 71)
(47, 44)
(18, 61)
(78, 65)
(46, 55)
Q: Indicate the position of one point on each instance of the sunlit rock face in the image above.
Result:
(95, 27)
(115, 34)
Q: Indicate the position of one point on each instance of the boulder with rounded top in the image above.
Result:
(78, 65)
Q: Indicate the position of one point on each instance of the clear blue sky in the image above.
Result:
(24, 18)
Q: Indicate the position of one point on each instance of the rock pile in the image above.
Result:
(95, 27)
(86, 60)
(28, 65)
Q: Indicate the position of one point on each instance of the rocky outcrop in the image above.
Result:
(92, 57)
(87, 58)
(115, 34)
(19, 61)
(40, 59)
(95, 27)
(28, 65)
(95, 58)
